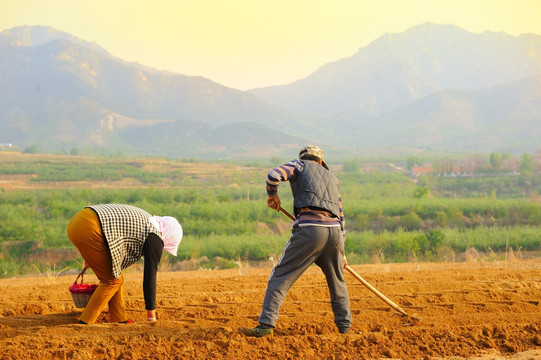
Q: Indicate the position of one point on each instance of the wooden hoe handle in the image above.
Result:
(375, 291)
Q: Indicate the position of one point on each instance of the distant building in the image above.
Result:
(5, 145)
(417, 171)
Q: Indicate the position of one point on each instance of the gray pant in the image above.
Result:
(323, 246)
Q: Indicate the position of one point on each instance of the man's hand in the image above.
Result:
(274, 202)
(345, 262)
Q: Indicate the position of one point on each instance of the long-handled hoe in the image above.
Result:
(365, 283)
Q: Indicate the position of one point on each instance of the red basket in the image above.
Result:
(81, 292)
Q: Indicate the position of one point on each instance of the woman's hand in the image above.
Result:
(151, 315)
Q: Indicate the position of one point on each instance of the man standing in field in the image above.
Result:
(317, 236)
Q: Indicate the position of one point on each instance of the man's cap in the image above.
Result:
(314, 151)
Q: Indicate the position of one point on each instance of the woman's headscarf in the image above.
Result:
(171, 232)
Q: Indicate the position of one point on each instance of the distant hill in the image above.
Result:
(398, 69)
(430, 87)
(507, 115)
(41, 35)
(60, 92)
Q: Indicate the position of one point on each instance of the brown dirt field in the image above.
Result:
(470, 310)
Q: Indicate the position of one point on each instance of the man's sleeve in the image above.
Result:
(285, 172)
(342, 218)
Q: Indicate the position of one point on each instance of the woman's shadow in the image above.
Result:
(12, 326)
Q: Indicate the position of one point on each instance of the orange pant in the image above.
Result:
(85, 233)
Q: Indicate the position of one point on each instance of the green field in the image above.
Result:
(222, 208)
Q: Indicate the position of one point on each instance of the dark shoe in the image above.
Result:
(256, 332)
(343, 331)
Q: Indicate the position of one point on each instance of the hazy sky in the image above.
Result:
(245, 44)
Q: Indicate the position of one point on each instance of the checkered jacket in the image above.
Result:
(125, 229)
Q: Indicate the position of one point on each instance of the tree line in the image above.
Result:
(224, 216)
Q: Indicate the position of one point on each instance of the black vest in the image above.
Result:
(316, 187)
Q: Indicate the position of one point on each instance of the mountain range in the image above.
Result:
(432, 87)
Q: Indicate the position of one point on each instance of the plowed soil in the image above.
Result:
(466, 310)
